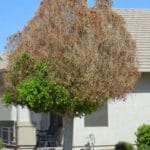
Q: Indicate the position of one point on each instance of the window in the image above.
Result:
(6, 131)
(98, 118)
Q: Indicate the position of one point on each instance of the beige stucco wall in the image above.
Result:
(26, 135)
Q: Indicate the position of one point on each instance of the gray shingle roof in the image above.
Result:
(138, 24)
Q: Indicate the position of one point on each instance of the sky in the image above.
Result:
(14, 14)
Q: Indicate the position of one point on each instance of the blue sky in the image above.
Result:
(14, 14)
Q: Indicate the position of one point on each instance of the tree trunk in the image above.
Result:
(68, 132)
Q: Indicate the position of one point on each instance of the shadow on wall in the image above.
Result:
(5, 112)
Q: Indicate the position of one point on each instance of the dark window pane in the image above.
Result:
(98, 118)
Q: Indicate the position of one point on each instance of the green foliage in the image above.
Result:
(143, 136)
(2, 144)
(41, 95)
(144, 147)
(9, 96)
(123, 146)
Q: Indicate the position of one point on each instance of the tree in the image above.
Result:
(104, 3)
(70, 59)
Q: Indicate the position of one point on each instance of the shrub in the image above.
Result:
(2, 144)
(123, 146)
(144, 147)
(143, 136)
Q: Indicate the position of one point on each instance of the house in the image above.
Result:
(116, 121)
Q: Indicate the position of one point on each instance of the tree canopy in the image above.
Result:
(70, 59)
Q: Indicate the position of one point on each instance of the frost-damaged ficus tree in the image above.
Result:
(70, 59)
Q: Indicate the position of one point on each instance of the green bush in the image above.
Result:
(144, 147)
(123, 146)
(2, 144)
(143, 136)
